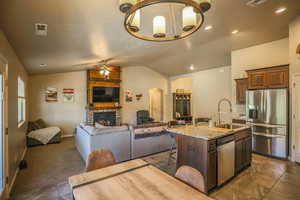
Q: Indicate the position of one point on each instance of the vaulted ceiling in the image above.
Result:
(86, 31)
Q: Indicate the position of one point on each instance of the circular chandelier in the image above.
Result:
(191, 13)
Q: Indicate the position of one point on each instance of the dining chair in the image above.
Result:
(191, 176)
(99, 159)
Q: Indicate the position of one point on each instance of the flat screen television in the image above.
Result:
(106, 94)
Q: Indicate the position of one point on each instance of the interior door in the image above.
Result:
(296, 118)
(156, 104)
(3, 128)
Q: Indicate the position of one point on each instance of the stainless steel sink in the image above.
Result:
(230, 126)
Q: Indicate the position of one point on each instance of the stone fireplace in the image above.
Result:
(112, 116)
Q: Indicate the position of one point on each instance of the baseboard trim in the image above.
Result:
(66, 136)
(16, 173)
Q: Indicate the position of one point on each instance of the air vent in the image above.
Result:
(255, 3)
(41, 29)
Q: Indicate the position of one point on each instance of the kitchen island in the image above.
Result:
(218, 153)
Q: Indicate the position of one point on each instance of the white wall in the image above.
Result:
(140, 80)
(264, 55)
(208, 87)
(294, 41)
(185, 83)
(16, 136)
(65, 115)
(68, 116)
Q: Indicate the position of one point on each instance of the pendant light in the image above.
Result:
(125, 5)
(159, 27)
(136, 21)
(189, 18)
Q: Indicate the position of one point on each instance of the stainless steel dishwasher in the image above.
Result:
(226, 158)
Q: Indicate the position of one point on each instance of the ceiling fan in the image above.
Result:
(102, 65)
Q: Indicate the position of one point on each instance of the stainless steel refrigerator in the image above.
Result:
(267, 111)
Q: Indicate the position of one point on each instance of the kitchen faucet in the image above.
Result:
(219, 108)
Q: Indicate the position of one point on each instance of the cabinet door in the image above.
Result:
(278, 78)
(248, 151)
(239, 155)
(212, 170)
(257, 80)
(241, 88)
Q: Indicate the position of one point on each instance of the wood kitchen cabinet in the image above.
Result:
(257, 80)
(199, 154)
(278, 78)
(241, 88)
(243, 150)
(272, 77)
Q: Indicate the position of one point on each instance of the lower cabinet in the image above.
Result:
(201, 155)
(243, 153)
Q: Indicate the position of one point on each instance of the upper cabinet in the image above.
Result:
(273, 77)
(241, 88)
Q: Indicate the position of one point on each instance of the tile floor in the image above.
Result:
(51, 165)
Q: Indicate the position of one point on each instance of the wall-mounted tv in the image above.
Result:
(106, 94)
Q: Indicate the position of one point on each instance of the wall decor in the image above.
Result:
(298, 50)
(128, 96)
(138, 96)
(51, 95)
(68, 95)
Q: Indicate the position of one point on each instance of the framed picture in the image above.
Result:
(68, 95)
(51, 95)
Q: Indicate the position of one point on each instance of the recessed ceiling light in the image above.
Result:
(208, 28)
(192, 67)
(280, 10)
(43, 65)
(235, 31)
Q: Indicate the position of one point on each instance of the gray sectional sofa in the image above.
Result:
(116, 139)
(126, 142)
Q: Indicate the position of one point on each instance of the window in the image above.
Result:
(21, 102)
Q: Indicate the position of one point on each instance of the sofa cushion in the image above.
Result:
(32, 126)
(40, 123)
(105, 130)
(149, 130)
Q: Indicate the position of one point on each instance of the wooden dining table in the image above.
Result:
(135, 179)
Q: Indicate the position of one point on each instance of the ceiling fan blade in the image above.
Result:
(86, 64)
(96, 63)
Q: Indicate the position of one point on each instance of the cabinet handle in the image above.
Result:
(190, 148)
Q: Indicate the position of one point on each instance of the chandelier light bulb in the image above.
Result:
(106, 73)
(189, 18)
(136, 22)
(159, 27)
(101, 72)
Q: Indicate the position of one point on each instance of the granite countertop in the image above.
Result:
(204, 132)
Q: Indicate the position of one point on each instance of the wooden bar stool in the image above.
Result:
(99, 159)
(191, 177)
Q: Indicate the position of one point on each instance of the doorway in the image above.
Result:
(3, 128)
(156, 104)
(296, 118)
